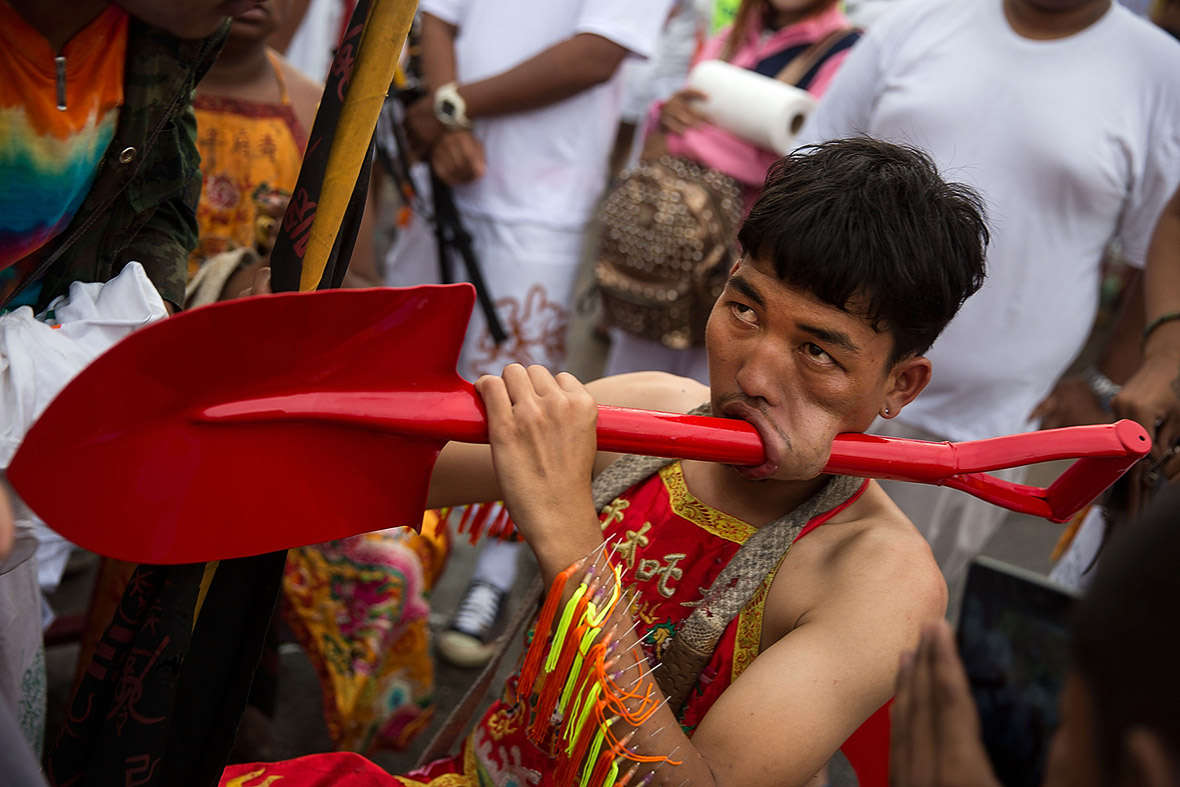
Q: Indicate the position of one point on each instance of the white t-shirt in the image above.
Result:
(546, 165)
(314, 41)
(1072, 142)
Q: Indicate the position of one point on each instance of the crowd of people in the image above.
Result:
(924, 258)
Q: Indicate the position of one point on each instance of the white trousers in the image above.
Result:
(22, 655)
(530, 271)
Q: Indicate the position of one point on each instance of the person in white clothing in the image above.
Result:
(1065, 115)
(524, 103)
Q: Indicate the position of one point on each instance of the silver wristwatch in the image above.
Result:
(1103, 388)
(450, 108)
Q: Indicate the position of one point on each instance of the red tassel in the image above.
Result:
(542, 631)
(598, 775)
(572, 764)
(502, 527)
(479, 517)
(555, 681)
(465, 522)
(581, 685)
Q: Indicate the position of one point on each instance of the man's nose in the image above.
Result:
(763, 374)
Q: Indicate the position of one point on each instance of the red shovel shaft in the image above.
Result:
(1107, 450)
(459, 415)
(160, 475)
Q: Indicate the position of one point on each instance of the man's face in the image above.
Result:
(257, 23)
(798, 369)
(186, 18)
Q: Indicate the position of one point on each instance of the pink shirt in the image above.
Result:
(732, 155)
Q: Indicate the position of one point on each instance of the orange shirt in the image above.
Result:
(58, 113)
(245, 146)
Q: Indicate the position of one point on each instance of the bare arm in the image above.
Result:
(438, 51)
(455, 156)
(563, 70)
(847, 605)
(362, 266)
(1149, 371)
(836, 623)
(1152, 392)
(803, 696)
(464, 473)
(7, 528)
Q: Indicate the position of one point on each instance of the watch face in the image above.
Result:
(447, 107)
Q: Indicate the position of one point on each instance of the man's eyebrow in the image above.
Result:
(739, 283)
(829, 336)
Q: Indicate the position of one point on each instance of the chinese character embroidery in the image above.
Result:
(649, 568)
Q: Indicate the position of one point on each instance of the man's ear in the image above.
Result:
(1147, 761)
(905, 381)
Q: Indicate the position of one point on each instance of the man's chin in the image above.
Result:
(757, 472)
(785, 473)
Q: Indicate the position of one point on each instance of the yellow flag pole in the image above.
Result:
(381, 42)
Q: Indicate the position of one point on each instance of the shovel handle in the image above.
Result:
(1104, 451)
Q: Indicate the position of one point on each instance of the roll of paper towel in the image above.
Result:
(761, 110)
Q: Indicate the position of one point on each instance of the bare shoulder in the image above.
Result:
(645, 391)
(849, 598)
(883, 548)
(868, 561)
(649, 391)
(304, 91)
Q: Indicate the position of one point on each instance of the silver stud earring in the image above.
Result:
(886, 411)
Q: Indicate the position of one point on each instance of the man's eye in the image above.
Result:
(743, 312)
(818, 353)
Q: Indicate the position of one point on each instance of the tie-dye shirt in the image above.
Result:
(57, 117)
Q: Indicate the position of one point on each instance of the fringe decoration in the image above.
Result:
(577, 695)
(532, 661)
(487, 520)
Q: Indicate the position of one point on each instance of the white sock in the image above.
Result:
(495, 563)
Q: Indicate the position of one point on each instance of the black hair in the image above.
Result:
(863, 218)
(1126, 634)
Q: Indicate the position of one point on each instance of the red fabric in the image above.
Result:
(315, 770)
(867, 749)
(672, 545)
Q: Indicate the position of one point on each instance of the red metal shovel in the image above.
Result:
(265, 423)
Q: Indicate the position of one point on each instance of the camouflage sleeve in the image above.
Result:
(164, 242)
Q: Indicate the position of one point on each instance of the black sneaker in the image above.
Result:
(468, 639)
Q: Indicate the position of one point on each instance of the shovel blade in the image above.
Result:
(119, 465)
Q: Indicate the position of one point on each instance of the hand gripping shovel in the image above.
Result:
(266, 423)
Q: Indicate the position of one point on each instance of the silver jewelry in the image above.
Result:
(450, 108)
(886, 411)
(1103, 388)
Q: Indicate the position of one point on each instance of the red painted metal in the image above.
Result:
(273, 422)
